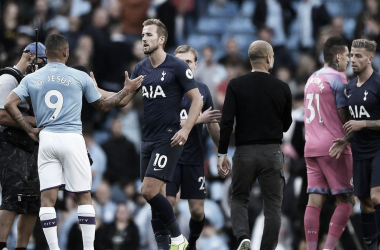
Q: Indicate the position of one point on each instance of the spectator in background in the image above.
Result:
(133, 14)
(306, 67)
(143, 216)
(122, 234)
(114, 12)
(98, 156)
(232, 54)
(211, 239)
(131, 124)
(104, 207)
(284, 74)
(324, 33)
(84, 52)
(276, 14)
(210, 72)
(41, 17)
(167, 13)
(99, 33)
(74, 33)
(311, 15)
(371, 9)
(123, 161)
(117, 56)
(8, 26)
(67, 219)
(283, 56)
(233, 71)
(183, 19)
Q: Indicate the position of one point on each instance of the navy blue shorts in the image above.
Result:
(158, 159)
(191, 179)
(366, 176)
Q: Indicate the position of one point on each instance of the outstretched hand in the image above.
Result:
(93, 79)
(134, 84)
(210, 116)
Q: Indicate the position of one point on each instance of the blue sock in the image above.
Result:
(165, 212)
(369, 229)
(161, 233)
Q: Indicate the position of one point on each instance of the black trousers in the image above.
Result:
(265, 163)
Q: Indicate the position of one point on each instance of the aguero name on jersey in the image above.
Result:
(364, 104)
(162, 90)
(192, 153)
(56, 94)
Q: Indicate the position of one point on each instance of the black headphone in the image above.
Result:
(12, 71)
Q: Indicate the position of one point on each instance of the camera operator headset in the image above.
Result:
(18, 155)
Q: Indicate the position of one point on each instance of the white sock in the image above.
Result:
(86, 218)
(178, 240)
(48, 219)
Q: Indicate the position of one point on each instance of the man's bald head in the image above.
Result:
(259, 50)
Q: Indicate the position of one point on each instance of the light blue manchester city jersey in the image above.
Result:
(56, 94)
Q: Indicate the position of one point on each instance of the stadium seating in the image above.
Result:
(241, 25)
(198, 41)
(230, 9)
(248, 8)
(212, 25)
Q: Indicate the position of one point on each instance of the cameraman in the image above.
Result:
(18, 155)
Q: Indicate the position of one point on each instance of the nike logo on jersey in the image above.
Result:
(345, 93)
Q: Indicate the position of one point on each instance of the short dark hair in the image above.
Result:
(161, 28)
(333, 46)
(364, 43)
(54, 44)
(186, 48)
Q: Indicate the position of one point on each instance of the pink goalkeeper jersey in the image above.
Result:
(324, 95)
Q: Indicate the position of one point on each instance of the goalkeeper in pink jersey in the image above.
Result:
(325, 113)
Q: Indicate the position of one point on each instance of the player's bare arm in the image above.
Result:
(106, 94)
(352, 125)
(105, 105)
(214, 132)
(344, 114)
(6, 120)
(209, 116)
(180, 137)
(11, 106)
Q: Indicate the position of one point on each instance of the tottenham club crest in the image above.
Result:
(189, 74)
(365, 95)
(163, 76)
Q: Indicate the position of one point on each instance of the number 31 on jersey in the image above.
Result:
(310, 106)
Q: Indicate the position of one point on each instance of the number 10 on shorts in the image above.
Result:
(161, 160)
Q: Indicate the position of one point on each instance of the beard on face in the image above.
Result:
(151, 50)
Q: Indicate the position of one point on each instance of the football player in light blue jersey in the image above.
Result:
(56, 95)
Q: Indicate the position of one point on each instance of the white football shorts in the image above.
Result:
(63, 160)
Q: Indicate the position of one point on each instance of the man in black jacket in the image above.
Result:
(262, 107)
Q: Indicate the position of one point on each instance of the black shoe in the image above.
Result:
(191, 248)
